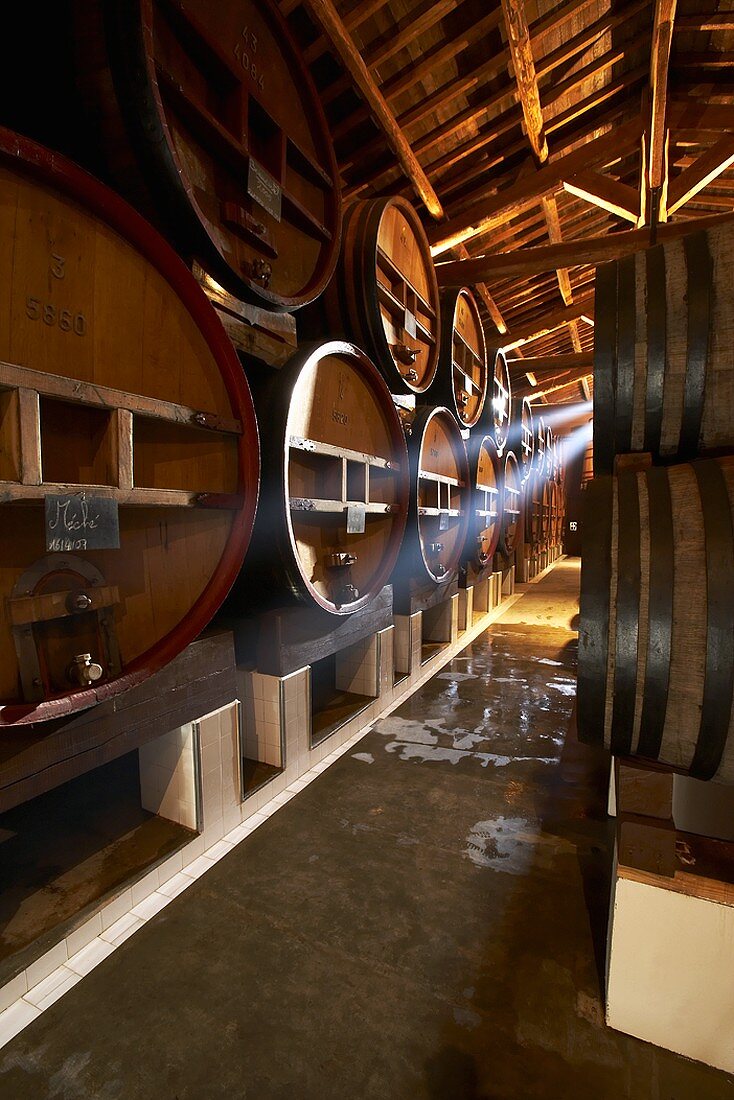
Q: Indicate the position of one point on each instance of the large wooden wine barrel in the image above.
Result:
(209, 111)
(656, 640)
(511, 503)
(440, 501)
(122, 406)
(335, 489)
(522, 435)
(539, 460)
(501, 406)
(462, 377)
(535, 503)
(485, 469)
(663, 369)
(385, 295)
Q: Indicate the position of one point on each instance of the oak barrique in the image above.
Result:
(500, 408)
(522, 435)
(440, 501)
(511, 503)
(385, 294)
(656, 638)
(335, 488)
(116, 380)
(462, 376)
(207, 113)
(485, 470)
(663, 368)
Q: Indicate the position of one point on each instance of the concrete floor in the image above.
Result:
(425, 921)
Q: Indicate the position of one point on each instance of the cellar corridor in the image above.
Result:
(424, 920)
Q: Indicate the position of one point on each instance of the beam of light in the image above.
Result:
(576, 443)
(556, 417)
(531, 378)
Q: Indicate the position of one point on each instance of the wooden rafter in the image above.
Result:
(611, 195)
(595, 250)
(331, 24)
(582, 307)
(518, 38)
(582, 361)
(700, 174)
(488, 210)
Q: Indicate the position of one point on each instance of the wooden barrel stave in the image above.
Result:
(663, 376)
(218, 128)
(117, 379)
(335, 484)
(657, 605)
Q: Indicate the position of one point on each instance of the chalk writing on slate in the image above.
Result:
(81, 522)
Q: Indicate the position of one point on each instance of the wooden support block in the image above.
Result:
(646, 844)
(411, 598)
(29, 413)
(122, 429)
(644, 788)
(291, 638)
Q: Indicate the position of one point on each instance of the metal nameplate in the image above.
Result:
(81, 522)
(443, 521)
(356, 519)
(264, 189)
(410, 326)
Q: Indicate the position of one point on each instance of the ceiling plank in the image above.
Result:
(700, 174)
(328, 19)
(612, 196)
(518, 37)
(595, 250)
(485, 211)
(553, 319)
(539, 363)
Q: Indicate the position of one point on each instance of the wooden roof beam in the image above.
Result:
(533, 261)
(656, 175)
(722, 21)
(328, 19)
(530, 188)
(612, 196)
(700, 174)
(518, 37)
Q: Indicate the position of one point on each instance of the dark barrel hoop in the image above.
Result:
(511, 504)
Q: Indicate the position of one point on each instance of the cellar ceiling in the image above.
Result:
(530, 126)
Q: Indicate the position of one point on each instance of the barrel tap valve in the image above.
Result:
(339, 560)
(84, 671)
(406, 354)
(260, 271)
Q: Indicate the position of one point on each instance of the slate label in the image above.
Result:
(264, 189)
(81, 522)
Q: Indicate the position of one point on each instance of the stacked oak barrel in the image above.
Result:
(656, 644)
